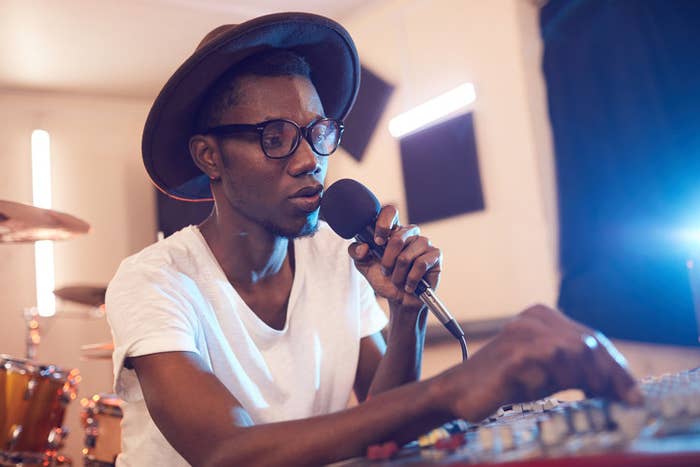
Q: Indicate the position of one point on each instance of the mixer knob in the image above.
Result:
(550, 403)
(672, 405)
(432, 437)
(505, 433)
(629, 420)
(486, 438)
(509, 409)
(693, 404)
(598, 418)
(525, 435)
(579, 421)
(553, 428)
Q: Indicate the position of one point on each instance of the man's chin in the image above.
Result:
(307, 230)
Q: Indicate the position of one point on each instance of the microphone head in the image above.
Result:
(348, 206)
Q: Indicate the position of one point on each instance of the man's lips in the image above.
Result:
(308, 191)
(307, 199)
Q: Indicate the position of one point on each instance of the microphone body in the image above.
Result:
(423, 291)
(351, 210)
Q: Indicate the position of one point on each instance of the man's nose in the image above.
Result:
(304, 160)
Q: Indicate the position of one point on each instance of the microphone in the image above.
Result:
(351, 210)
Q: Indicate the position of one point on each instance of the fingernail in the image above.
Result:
(379, 240)
(634, 396)
(385, 271)
(409, 289)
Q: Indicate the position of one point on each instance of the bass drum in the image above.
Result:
(101, 417)
(33, 400)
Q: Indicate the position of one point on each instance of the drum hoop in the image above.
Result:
(53, 372)
(49, 371)
(23, 457)
(17, 365)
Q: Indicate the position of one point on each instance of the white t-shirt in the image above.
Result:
(174, 296)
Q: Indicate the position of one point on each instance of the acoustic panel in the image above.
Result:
(441, 170)
(372, 99)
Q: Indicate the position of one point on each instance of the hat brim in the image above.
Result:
(326, 46)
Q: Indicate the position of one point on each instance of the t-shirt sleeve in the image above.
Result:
(148, 313)
(372, 317)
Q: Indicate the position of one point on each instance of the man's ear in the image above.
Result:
(204, 152)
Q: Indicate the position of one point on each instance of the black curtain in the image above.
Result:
(623, 84)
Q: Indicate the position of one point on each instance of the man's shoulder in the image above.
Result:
(165, 257)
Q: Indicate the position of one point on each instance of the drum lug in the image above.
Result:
(57, 436)
(29, 392)
(15, 433)
(90, 440)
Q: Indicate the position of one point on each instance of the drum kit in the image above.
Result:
(34, 396)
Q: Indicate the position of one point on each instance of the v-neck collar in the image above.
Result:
(261, 327)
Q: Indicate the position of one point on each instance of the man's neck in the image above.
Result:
(248, 254)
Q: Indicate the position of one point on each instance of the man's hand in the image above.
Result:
(408, 257)
(536, 354)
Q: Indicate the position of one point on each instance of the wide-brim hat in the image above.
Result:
(326, 46)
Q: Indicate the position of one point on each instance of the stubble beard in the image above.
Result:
(308, 230)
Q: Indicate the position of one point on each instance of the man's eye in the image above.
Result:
(273, 141)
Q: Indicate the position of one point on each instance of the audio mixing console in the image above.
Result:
(664, 431)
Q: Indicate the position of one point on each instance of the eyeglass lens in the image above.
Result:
(279, 138)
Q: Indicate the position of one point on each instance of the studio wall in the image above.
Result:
(502, 259)
(97, 176)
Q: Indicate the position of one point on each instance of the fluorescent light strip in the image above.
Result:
(43, 250)
(433, 110)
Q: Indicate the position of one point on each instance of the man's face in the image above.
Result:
(264, 190)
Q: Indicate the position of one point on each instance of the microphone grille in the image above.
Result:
(348, 206)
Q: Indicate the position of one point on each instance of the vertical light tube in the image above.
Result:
(43, 250)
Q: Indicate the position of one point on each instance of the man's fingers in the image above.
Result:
(398, 241)
(387, 219)
(594, 381)
(609, 377)
(359, 252)
(426, 262)
(622, 384)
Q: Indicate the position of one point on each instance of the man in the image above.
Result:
(238, 342)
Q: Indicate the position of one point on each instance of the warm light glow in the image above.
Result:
(433, 110)
(43, 250)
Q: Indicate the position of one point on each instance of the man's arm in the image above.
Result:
(205, 423)
(208, 426)
(383, 366)
(408, 257)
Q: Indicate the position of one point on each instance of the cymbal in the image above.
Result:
(24, 223)
(99, 351)
(84, 294)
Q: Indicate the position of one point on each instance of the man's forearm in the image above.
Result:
(399, 415)
(402, 362)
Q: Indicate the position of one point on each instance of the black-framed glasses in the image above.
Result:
(279, 138)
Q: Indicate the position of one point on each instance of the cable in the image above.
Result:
(463, 345)
(457, 333)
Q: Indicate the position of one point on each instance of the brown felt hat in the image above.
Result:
(326, 46)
